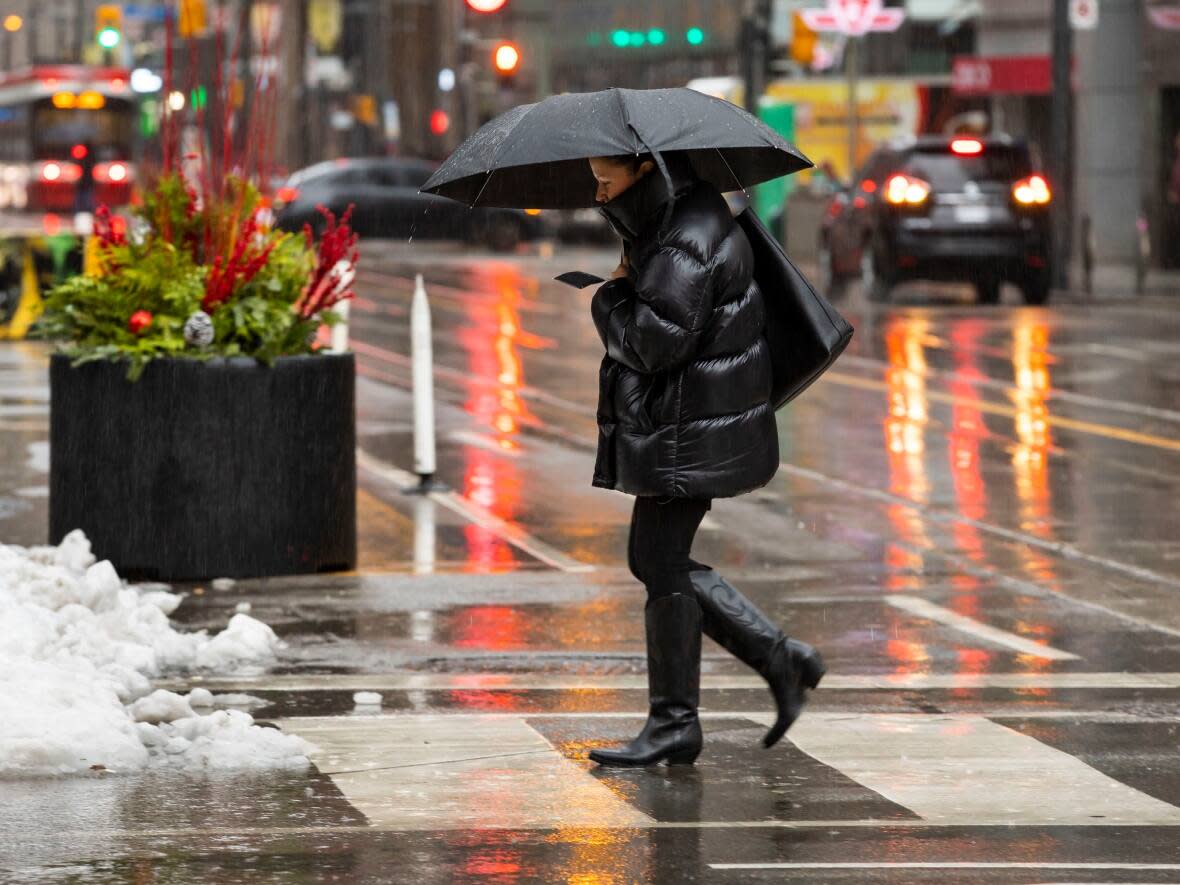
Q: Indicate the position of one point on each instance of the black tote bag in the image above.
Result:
(805, 332)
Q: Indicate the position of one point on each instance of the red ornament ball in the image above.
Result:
(139, 321)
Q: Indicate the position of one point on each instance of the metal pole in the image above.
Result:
(340, 330)
(1061, 137)
(852, 66)
(79, 28)
(754, 49)
(422, 375)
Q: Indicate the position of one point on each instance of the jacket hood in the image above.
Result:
(638, 207)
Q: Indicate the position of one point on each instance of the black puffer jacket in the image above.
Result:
(684, 388)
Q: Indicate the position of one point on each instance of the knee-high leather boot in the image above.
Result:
(673, 731)
(789, 667)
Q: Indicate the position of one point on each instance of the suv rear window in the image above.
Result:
(947, 171)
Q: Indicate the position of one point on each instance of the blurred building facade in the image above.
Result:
(1127, 118)
(368, 76)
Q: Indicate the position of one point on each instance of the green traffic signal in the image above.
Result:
(637, 38)
(108, 38)
(655, 37)
(695, 36)
(620, 38)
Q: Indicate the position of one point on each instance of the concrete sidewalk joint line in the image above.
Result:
(472, 512)
(1053, 395)
(1102, 430)
(928, 610)
(565, 682)
(1067, 551)
(947, 865)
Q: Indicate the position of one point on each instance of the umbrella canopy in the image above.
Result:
(534, 156)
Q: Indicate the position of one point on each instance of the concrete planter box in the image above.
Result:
(198, 470)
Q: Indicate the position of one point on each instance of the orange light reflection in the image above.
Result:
(905, 442)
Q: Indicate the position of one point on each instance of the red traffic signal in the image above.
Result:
(439, 121)
(486, 5)
(507, 58)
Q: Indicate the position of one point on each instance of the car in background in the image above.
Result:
(388, 203)
(583, 226)
(949, 208)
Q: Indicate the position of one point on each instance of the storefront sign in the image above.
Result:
(1014, 75)
(854, 17)
(1166, 17)
(1083, 14)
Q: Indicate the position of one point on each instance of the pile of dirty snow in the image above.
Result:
(77, 651)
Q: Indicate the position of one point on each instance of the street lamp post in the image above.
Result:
(1061, 136)
(854, 19)
(12, 25)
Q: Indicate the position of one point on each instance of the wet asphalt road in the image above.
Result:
(975, 520)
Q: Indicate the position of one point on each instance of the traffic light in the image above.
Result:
(506, 59)
(625, 39)
(191, 21)
(108, 25)
(694, 36)
(486, 5)
(803, 41)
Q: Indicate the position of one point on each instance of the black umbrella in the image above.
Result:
(534, 156)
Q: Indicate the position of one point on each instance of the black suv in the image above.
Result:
(943, 208)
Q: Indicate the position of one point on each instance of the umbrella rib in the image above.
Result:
(731, 172)
(483, 187)
(499, 150)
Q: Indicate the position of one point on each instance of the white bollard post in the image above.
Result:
(422, 372)
(340, 330)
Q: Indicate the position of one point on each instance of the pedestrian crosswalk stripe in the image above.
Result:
(925, 609)
(968, 770)
(433, 772)
(448, 771)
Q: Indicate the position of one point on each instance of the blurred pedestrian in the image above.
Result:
(1171, 252)
(684, 417)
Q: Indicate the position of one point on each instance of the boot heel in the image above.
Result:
(684, 757)
(813, 670)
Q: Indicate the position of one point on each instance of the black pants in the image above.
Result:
(658, 549)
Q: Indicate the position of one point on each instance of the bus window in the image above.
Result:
(109, 130)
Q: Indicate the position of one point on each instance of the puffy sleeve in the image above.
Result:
(654, 324)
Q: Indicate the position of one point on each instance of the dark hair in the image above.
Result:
(631, 161)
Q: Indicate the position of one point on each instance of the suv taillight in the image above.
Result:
(112, 173)
(58, 172)
(905, 190)
(1032, 191)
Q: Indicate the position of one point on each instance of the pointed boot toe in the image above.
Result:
(796, 668)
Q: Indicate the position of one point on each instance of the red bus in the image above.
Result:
(66, 138)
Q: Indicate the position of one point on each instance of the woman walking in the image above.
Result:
(684, 417)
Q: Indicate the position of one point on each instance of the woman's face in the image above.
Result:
(614, 178)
